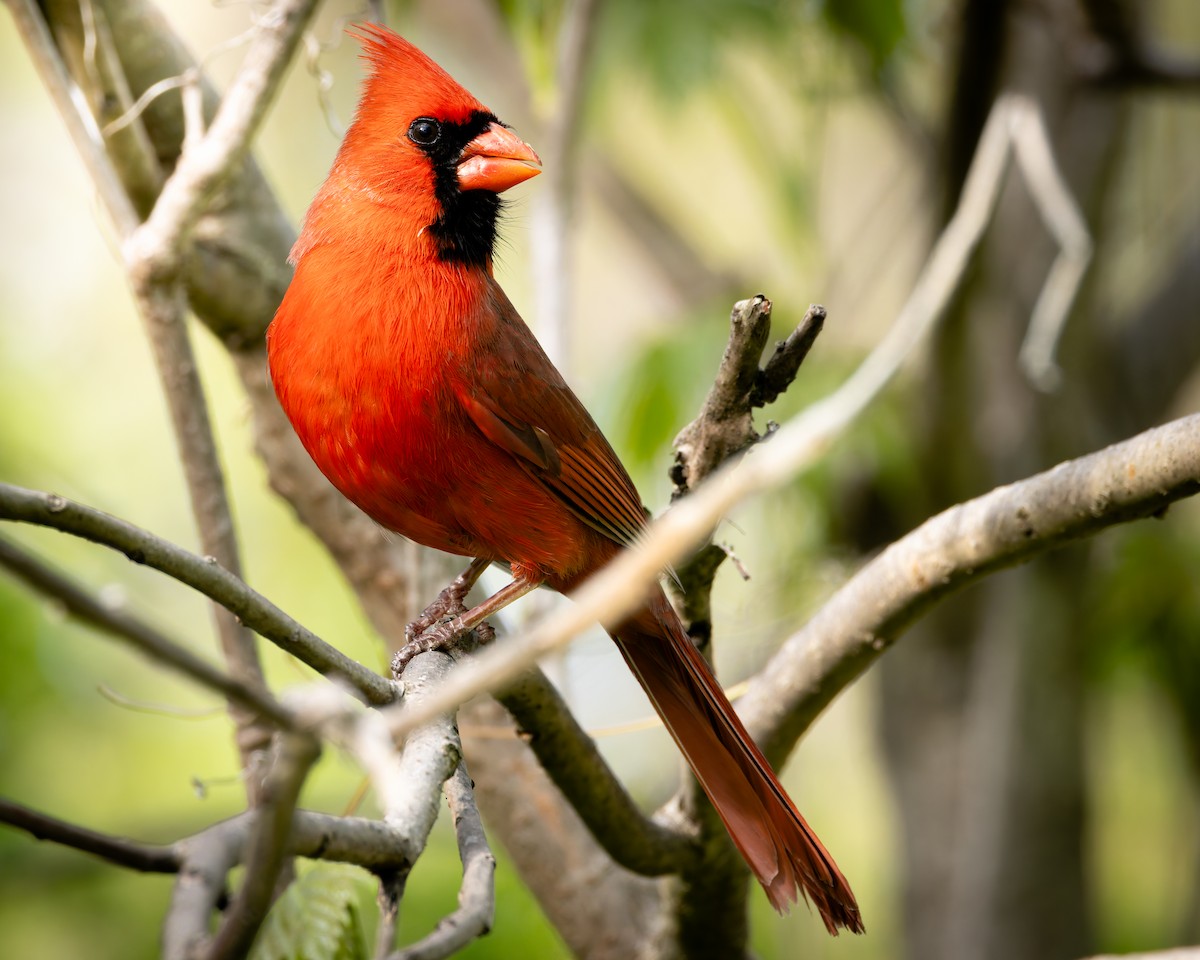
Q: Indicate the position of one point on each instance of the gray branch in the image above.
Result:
(724, 429)
(267, 848)
(137, 633)
(571, 759)
(146, 858)
(206, 859)
(199, 573)
(711, 904)
(154, 256)
(411, 796)
(155, 252)
(1137, 478)
(477, 894)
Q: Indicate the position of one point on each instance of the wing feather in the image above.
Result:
(536, 417)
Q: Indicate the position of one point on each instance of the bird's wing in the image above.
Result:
(521, 403)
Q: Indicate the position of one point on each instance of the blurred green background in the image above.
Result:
(801, 148)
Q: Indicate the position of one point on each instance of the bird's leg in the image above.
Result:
(451, 601)
(440, 637)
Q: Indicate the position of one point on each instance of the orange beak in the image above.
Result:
(496, 160)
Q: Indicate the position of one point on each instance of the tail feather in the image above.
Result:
(779, 847)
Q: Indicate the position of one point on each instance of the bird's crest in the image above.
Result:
(406, 82)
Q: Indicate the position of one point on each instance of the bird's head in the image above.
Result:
(425, 149)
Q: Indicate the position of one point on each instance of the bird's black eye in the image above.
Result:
(424, 131)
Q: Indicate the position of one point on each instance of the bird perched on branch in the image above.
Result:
(426, 400)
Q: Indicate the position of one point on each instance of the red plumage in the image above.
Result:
(426, 400)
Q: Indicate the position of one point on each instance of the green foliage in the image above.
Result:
(1147, 604)
(878, 26)
(315, 919)
(23, 685)
(660, 390)
(680, 46)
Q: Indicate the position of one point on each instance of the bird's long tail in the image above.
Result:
(780, 848)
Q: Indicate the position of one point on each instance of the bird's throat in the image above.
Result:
(465, 232)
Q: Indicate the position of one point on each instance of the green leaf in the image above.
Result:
(315, 919)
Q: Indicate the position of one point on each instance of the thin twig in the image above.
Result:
(267, 846)
(411, 789)
(129, 629)
(779, 372)
(430, 754)
(153, 255)
(46, 58)
(203, 884)
(1060, 213)
(143, 857)
(477, 893)
(202, 166)
(199, 573)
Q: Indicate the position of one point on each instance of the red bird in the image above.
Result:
(425, 399)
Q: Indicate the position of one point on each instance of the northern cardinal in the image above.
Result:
(426, 400)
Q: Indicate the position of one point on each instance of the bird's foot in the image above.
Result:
(449, 603)
(447, 606)
(439, 634)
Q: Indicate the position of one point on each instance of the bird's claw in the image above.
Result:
(429, 637)
(440, 633)
(445, 606)
(441, 610)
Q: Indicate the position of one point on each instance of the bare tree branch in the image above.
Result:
(208, 858)
(577, 884)
(1137, 478)
(711, 903)
(477, 894)
(124, 853)
(411, 797)
(570, 757)
(370, 844)
(235, 265)
(139, 634)
(154, 248)
(268, 843)
(724, 427)
(200, 573)
(1062, 217)
(46, 58)
(154, 253)
(430, 755)
(780, 371)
